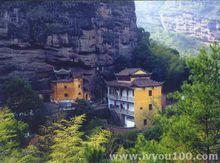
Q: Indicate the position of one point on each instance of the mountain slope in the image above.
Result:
(184, 25)
(36, 36)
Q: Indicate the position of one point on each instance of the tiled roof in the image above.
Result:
(136, 83)
(62, 80)
(146, 83)
(62, 71)
(128, 71)
(119, 84)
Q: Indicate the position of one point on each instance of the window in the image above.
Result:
(150, 92)
(79, 86)
(141, 108)
(65, 95)
(110, 91)
(79, 93)
(121, 106)
(128, 106)
(145, 122)
(150, 106)
(65, 86)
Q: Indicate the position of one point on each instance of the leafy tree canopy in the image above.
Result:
(19, 96)
(11, 132)
(71, 145)
(191, 124)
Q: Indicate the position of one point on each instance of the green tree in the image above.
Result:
(95, 150)
(23, 101)
(98, 90)
(142, 55)
(68, 141)
(165, 63)
(26, 155)
(192, 124)
(200, 98)
(168, 65)
(19, 96)
(11, 133)
(72, 145)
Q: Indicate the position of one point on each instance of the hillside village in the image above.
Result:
(188, 23)
(182, 25)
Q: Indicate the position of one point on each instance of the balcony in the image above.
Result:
(122, 111)
(121, 98)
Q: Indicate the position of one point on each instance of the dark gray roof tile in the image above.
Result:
(146, 83)
(128, 71)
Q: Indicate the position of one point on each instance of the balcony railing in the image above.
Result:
(122, 111)
(122, 98)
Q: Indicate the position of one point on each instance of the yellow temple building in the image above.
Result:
(135, 97)
(68, 88)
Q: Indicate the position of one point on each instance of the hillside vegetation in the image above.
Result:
(163, 62)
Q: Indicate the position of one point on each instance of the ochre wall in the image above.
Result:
(142, 100)
(74, 90)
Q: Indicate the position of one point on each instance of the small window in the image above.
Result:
(141, 108)
(65, 86)
(150, 92)
(79, 93)
(122, 107)
(65, 95)
(79, 86)
(145, 122)
(150, 106)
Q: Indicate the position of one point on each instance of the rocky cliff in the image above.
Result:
(36, 36)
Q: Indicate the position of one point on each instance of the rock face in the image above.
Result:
(36, 36)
